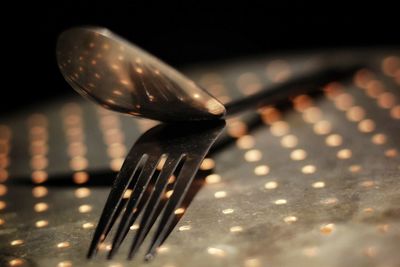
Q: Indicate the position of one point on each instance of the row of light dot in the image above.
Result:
(5, 146)
(113, 137)
(345, 102)
(38, 141)
(38, 149)
(75, 137)
(248, 83)
(354, 113)
(375, 89)
(238, 129)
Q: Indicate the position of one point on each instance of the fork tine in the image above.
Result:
(155, 204)
(181, 187)
(136, 197)
(113, 203)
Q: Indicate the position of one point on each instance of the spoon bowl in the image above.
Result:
(122, 77)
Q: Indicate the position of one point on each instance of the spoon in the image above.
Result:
(122, 77)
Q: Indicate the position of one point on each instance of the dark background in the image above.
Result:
(182, 33)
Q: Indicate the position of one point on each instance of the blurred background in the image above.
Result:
(183, 34)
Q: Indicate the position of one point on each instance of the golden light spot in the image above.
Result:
(184, 228)
(270, 115)
(64, 264)
(312, 115)
(213, 179)
(261, 170)
(163, 249)
(207, 164)
(278, 70)
(216, 252)
(355, 113)
(117, 150)
(391, 153)
(220, 194)
(3, 175)
(386, 100)
(245, 142)
(343, 101)
(298, 154)
(271, 185)
(2, 221)
(227, 211)
(379, 139)
(236, 128)
(390, 65)
(253, 155)
(333, 140)
(327, 229)
(80, 177)
(383, 228)
(329, 201)
(85, 208)
(308, 169)
(344, 153)
(279, 128)
(41, 223)
(355, 168)
(375, 88)
(290, 219)
(17, 242)
(116, 164)
(168, 194)
(3, 205)
(127, 193)
(41, 207)
(179, 211)
(366, 126)
(395, 112)
(39, 191)
(322, 127)
(367, 183)
(280, 201)
(65, 244)
(318, 184)
(289, 141)
(78, 163)
(252, 262)
(310, 251)
(39, 177)
(105, 247)
(368, 210)
(88, 225)
(370, 251)
(3, 190)
(82, 192)
(235, 229)
(333, 90)
(363, 77)
(16, 262)
(134, 227)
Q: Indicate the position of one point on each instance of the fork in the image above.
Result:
(183, 147)
(173, 150)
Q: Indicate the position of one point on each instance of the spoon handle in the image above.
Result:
(300, 85)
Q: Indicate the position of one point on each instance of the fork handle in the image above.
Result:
(300, 85)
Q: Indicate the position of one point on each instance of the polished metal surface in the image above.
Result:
(122, 77)
(315, 183)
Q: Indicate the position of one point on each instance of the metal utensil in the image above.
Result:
(122, 77)
(181, 153)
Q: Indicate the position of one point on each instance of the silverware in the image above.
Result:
(122, 77)
(181, 151)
